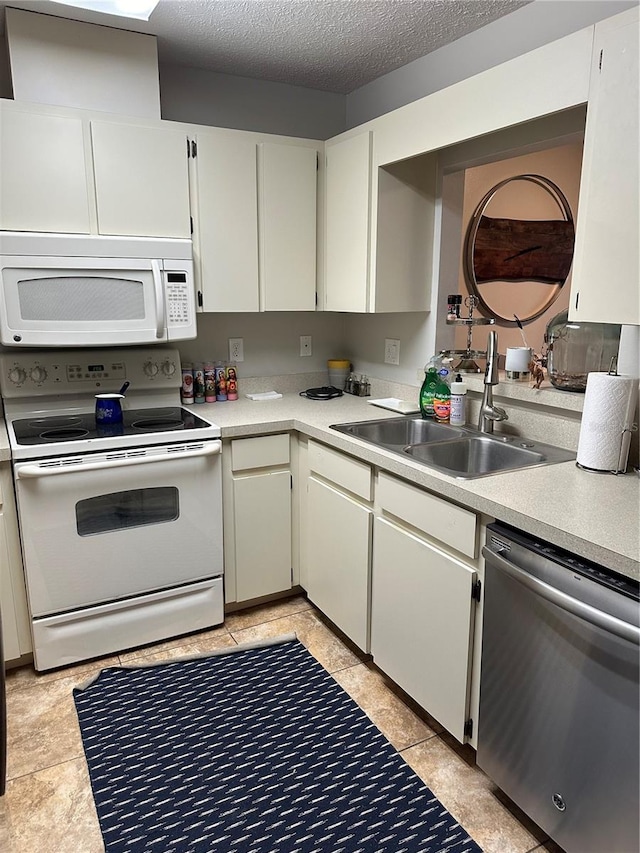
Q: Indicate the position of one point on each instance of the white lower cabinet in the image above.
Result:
(257, 494)
(16, 631)
(340, 559)
(422, 621)
(423, 600)
(339, 520)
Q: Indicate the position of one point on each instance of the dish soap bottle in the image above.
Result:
(458, 415)
(442, 401)
(428, 390)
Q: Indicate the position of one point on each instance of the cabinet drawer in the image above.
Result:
(350, 474)
(451, 524)
(265, 451)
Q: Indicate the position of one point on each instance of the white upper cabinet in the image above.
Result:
(43, 184)
(605, 286)
(63, 172)
(287, 225)
(226, 222)
(348, 200)
(255, 225)
(141, 180)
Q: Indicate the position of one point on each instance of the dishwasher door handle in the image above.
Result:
(590, 614)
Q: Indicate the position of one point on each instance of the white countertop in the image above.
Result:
(596, 516)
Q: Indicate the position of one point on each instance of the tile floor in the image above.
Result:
(48, 806)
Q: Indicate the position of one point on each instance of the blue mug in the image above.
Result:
(109, 408)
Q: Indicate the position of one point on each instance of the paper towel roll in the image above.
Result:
(607, 419)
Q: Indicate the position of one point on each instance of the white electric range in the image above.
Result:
(121, 524)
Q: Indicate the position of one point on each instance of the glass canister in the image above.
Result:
(576, 349)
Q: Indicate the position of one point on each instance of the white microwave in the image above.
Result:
(66, 290)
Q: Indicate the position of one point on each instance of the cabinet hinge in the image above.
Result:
(194, 149)
(600, 61)
(476, 590)
(199, 299)
(468, 728)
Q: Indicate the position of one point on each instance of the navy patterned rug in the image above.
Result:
(257, 751)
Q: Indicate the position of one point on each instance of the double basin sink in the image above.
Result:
(461, 452)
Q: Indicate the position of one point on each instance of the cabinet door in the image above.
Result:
(227, 222)
(348, 194)
(142, 180)
(339, 559)
(422, 622)
(606, 267)
(287, 227)
(43, 177)
(262, 513)
(10, 637)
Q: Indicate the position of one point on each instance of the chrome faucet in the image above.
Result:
(489, 413)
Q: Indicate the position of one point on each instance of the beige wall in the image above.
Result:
(562, 165)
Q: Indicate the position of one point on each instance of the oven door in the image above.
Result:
(52, 301)
(103, 527)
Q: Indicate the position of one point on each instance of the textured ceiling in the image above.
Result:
(334, 45)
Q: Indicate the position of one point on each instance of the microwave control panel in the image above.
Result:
(178, 302)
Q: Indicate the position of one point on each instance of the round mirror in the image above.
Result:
(519, 247)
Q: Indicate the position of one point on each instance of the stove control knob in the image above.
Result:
(38, 374)
(17, 375)
(168, 368)
(150, 368)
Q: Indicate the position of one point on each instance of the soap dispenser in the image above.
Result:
(458, 414)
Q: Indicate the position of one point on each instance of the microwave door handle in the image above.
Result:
(159, 294)
(30, 472)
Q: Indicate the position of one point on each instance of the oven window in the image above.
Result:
(133, 508)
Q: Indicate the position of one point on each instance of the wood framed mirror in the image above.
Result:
(519, 248)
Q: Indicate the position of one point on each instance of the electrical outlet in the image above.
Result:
(305, 345)
(391, 351)
(236, 349)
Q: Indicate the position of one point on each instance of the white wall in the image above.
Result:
(271, 341)
(223, 100)
(525, 29)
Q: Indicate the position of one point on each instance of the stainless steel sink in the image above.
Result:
(461, 452)
(475, 456)
(397, 433)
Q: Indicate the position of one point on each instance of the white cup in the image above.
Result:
(517, 362)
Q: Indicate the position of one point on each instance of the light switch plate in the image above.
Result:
(391, 351)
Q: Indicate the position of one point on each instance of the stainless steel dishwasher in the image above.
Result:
(559, 718)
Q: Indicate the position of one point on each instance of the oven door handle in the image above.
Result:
(30, 472)
(159, 294)
(612, 624)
